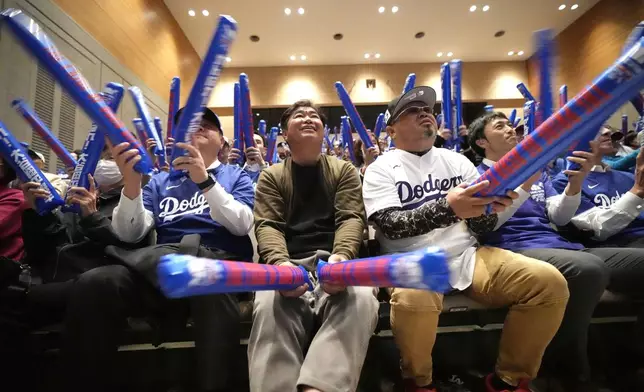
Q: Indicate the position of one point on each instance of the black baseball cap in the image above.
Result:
(423, 94)
(207, 115)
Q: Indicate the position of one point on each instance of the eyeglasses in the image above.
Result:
(414, 110)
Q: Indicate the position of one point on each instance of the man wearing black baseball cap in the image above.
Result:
(417, 196)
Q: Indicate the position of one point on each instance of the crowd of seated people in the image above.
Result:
(96, 268)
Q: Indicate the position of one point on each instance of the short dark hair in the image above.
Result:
(477, 130)
(302, 103)
(263, 138)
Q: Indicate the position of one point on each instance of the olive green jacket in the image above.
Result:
(273, 204)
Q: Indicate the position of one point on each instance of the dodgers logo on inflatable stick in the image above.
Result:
(563, 96)
(93, 146)
(213, 62)
(261, 129)
(41, 129)
(148, 124)
(410, 82)
(352, 112)
(525, 92)
(380, 125)
(271, 144)
(528, 117)
(581, 116)
(16, 156)
(34, 39)
(425, 269)
(544, 46)
(446, 105)
(456, 69)
(173, 104)
(246, 111)
(347, 137)
(184, 275)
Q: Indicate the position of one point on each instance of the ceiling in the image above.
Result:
(449, 26)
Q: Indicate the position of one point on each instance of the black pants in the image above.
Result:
(104, 297)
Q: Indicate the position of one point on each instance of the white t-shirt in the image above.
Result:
(402, 179)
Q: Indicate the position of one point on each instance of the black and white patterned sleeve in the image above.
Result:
(482, 224)
(396, 223)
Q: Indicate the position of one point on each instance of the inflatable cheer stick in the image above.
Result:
(238, 143)
(544, 54)
(148, 124)
(246, 111)
(140, 129)
(488, 108)
(41, 129)
(446, 105)
(213, 62)
(16, 156)
(513, 117)
(410, 82)
(529, 117)
(93, 146)
(347, 137)
(159, 129)
(456, 68)
(261, 129)
(271, 144)
(525, 92)
(34, 39)
(563, 95)
(580, 118)
(352, 112)
(380, 125)
(633, 38)
(423, 269)
(624, 124)
(184, 276)
(173, 105)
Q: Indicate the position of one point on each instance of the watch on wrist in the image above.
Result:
(209, 182)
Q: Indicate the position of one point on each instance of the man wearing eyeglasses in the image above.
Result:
(417, 196)
(212, 200)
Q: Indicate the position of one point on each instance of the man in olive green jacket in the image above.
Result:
(306, 208)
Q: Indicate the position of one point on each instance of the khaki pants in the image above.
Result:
(535, 291)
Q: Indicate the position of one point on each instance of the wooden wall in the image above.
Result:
(591, 44)
(143, 35)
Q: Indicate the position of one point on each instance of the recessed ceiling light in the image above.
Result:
(473, 8)
(367, 55)
(228, 59)
(191, 12)
(205, 13)
(394, 9)
(338, 37)
(486, 8)
(254, 38)
(381, 9)
(287, 11)
(292, 57)
(511, 53)
(520, 53)
(439, 54)
(303, 57)
(377, 55)
(300, 11)
(450, 54)
(419, 34)
(574, 7)
(562, 7)
(257, 114)
(499, 33)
